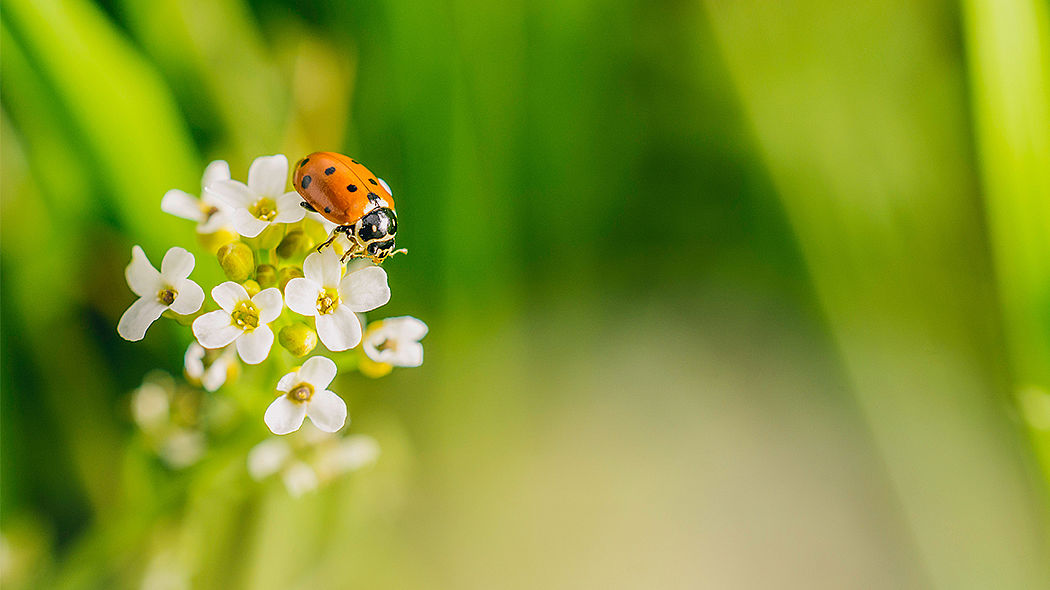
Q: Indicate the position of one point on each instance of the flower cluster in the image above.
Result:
(279, 289)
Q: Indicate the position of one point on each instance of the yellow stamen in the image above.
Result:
(327, 300)
(246, 316)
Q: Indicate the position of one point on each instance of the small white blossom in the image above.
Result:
(150, 406)
(395, 341)
(333, 300)
(349, 454)
(210, 212)
(168, 289)
(268, 457)
(299, 478)
(214, 374)
(263, 201)
(304, 394)
(242, 320)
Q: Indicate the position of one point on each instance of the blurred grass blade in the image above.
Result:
(122, 111)
(872, 167)
(1009, 53)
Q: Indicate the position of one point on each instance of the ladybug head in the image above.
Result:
(375, 232)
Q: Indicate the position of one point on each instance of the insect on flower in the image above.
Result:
(348, 194)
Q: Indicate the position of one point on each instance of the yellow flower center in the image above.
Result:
(327, 300)
(301, 393)
(167, 296)
(264, 209)
(386, 344)
(208, 210)
(246, 316)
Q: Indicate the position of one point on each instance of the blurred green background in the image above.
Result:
(722, 294)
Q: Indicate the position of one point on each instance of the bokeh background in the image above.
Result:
(722, 294)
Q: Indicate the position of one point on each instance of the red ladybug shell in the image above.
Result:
(339, 188)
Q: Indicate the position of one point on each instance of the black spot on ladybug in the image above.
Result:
(327, 209)
(328, 171)
(373, 181)
(306, 181)
(303, 163)
(373, 198)
(351, 187)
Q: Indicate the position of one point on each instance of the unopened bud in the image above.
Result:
(213, 241)
(297, 339)
(251, 287)
(286, 274)
(237, 261)
(295, 243)
(266, 275)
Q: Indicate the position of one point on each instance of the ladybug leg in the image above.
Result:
(327, 242)
(307, 206)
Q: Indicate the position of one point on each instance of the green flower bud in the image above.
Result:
(266, 275)
(295, 242)
(297, 339)
(237, 261)
(251, 287)
(288, 273)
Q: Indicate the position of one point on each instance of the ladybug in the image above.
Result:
(349, 195)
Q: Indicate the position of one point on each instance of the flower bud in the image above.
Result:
(370, 368)
(237, 261)
(251, 287)
(288, 273)
(213, 241)
(266, 275)
(297, 339)
(295, 243)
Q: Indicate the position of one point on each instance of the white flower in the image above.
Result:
(214, 374)
(333, 301)
(168, 289)
(395, 341)
(349, 454)
(263, 200)
(299, 478)
(268, 457)
(305, 394)
(150, 406)
(210, 212)
(241, 319)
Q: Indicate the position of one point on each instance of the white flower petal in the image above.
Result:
(231, 192)
(284, 415)
(254, 346)
(267, 457)
(365, 289)
(247, 224)
(228, 295)
(189, 299)
(385, 185)
(407, 354)
(288, 381)
(318, 371)
(133, 324)
(143, 279)
(216, 171)
(288, 208)
(193, 360)
(327, 411)
(340, 330)
(300, 295)
(299, 479)
(270, 304)
(323, 268)
(405, 328)
(181, 204)
(215, 329)
(218, 220)
(216, 374)
(177, 265)
(354, 452)
(268, 175)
